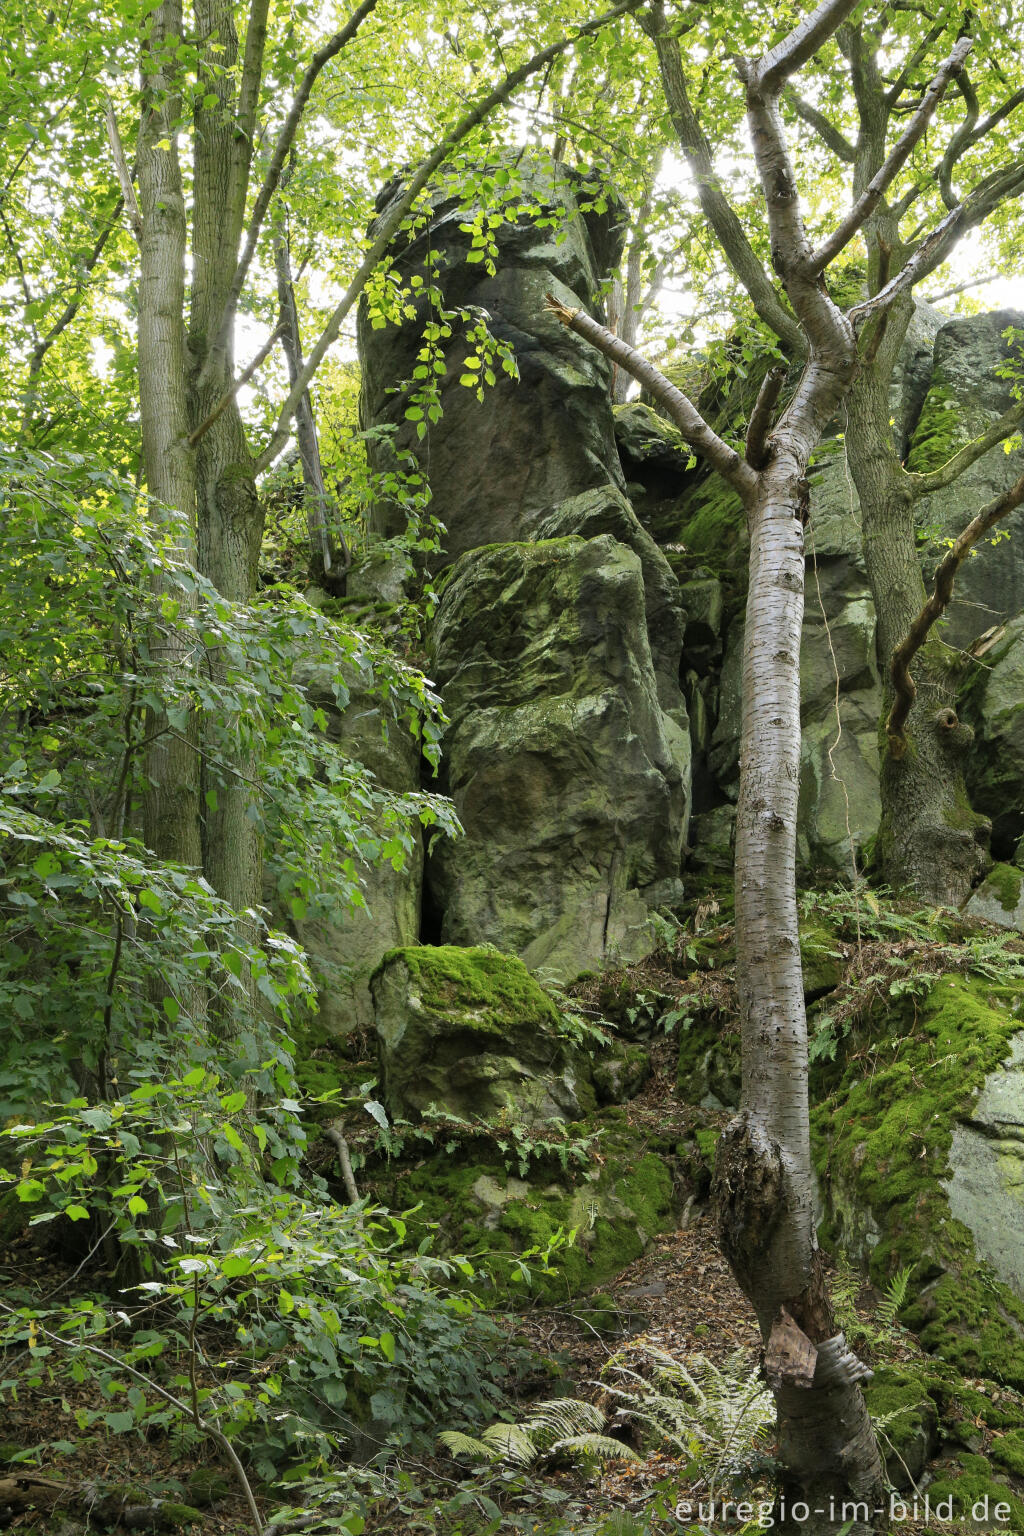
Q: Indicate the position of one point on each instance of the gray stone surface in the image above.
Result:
(994, 706)
(496, 465)
(990, 585)
(344, 951)
(470, 1032)
(986, 1182)
(567, 773)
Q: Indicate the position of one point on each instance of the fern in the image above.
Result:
(564, 1426)
(895, 1298)
(722, 1417)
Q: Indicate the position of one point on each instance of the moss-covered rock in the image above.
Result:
(906, 1419)
(999, 898)
(471, 1032)
(821, 957)
(615, 1207)
(708, 1067)
(883, 1140)
(566, 757)
(620, 1072)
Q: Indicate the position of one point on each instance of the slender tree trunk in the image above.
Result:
(230, 514)
(171, 808)
(929, 839)
(764, 1175)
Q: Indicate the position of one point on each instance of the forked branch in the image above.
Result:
(873, 193)
(904, 689)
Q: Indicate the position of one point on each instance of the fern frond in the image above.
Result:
(465, 1445)
(598, 1447)
(895, 1297)
(512, 1443)
(560, 1418)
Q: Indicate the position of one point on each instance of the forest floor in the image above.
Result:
(679, 1298)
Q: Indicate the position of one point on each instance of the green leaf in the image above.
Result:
(387, 1345)
(172, 1009)
(76, 1213)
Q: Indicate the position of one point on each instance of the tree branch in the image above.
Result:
(389, 224)
(958, 143)
(72, 307)
(772, 71)
(715, 205)
(701, 438)
(938, 479)
(239, 383)
(903, 684)
(758, 448)
(285, 140)
(921, 52)
(874, 191)
(830, 135)
(124, 175)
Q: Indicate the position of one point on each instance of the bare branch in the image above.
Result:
(945, 574)
(73, 305)
(716, 206)
(919, 54)
(758, 447)
(701, 438)
(937, 479)
(271, 180)
(389, 224)
(239, 383)
(949, 293)
(772, 71)
(124, 175)
(874, 191)
(958, 143)
(305, 422)
(830, 135)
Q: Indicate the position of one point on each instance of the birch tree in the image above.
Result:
(912, 201)
(763, 1181)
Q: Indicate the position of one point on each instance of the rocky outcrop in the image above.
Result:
(994, 705)
(346, 948)
(470, 1033)
(985, 1186)
(498, 465)
(557, 639)
(566, 771)
(966, 394)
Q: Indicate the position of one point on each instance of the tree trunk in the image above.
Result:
(230, 514)
(929, 841)
(764, 1176)
(171, 807)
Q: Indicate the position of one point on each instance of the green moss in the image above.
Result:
(485, 988)
(1005, 882)
(975, 1485)
(481, 1211)
(882, 1141)
(708, 1062)
(934, 439)
(1008, 1451)
(899, 1401)
(820, 958)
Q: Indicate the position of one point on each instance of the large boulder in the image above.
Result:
(967, 393)
(985, 1186)
(905, 1181)
(498, 463)
(471, 1033)
(567, 773)
(994, 705)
